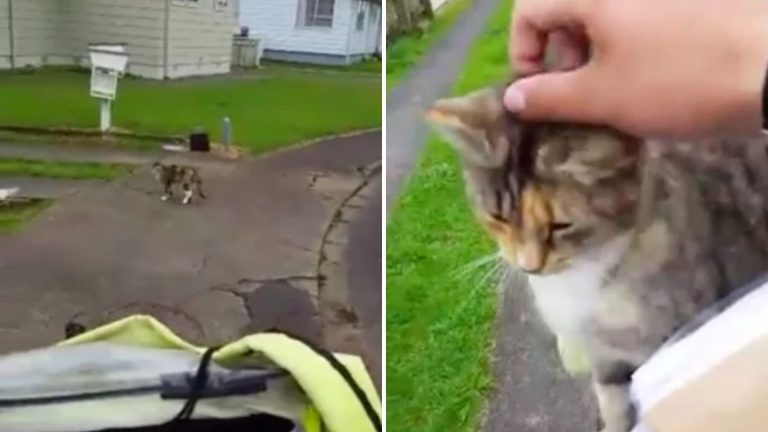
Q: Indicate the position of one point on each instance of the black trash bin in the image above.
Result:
(199, 141)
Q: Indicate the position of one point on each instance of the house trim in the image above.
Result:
(11, 39)
(166, 36)
(312, 57)
(352, 13)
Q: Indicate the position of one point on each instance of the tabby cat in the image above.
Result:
(188, 177)
(623, 239)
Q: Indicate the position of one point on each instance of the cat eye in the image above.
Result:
(558, 226)
(497, 217)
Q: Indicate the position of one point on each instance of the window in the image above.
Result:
(315, 13)
(362, 6)
(220, 4)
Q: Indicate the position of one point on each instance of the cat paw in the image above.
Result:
(186, 201)
(164, 198)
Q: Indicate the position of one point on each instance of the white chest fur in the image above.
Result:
(566, 299)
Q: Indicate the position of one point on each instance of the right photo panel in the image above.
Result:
(576, 215)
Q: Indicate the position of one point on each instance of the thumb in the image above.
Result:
(560, 96)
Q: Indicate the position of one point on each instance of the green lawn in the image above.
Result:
(13, 215)
(269, 108)
(440, 307)
(61, 170)
(407, 50)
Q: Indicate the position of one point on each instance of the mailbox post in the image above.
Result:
(108, 63)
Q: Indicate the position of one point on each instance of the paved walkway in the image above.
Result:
(431, 79)
(74, 153)
(33, 187)
(244, 260)
(363, 270)
(93, 153)
(532, 393)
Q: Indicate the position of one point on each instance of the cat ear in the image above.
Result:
(472, 125)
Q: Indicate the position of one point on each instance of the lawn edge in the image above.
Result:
(310, 141)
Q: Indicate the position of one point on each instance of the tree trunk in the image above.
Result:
(404, 22)
(426, 6)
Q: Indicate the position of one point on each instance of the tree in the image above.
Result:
(426, 6)
(404, 22)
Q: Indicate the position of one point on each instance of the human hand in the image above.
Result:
(679, 68)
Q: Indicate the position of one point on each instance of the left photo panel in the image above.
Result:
(191, 215)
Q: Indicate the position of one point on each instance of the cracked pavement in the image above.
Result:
(243, 260)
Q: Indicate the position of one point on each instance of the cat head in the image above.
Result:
(546, 192)
(157, 169)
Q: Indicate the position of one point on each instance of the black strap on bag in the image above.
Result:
(201, 378)
(198, 385)
(342, 370)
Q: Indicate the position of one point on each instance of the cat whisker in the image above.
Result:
(493, 273)
(466, 271)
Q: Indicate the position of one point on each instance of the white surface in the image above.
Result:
(108, 62)
(105, 120)
(689, 358)
(110, 57)
(6, 193)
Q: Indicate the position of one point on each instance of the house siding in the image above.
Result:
(48, 32)
(200, 39)
(137, 23)
(274, 22)
(364, 41)
(34, 30)
(5, 36)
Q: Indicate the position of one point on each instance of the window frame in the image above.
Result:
(302, 15)
(221, 5)
(187, 3)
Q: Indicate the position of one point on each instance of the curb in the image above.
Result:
(86, 132)
(308, 142)
(334, 305)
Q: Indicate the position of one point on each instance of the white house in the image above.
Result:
(164, 38)
(314, 31)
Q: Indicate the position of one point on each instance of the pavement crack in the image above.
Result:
(277, 279)
(203, 264)
(367, 173)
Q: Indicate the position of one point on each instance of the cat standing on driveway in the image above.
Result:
(188, 177)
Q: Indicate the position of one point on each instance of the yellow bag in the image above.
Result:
(87, 382)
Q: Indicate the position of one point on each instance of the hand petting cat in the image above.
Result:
(682, 69)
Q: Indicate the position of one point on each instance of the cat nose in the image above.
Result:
(530, 259)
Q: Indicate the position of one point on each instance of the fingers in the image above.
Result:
(527, 46)
(531, 25)
(569, 49)
(558, 96)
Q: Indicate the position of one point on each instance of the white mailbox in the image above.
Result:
(108, 63)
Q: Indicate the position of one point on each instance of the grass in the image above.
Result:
(61, 170)
(440, 311)
(80, 140)
(14, 215)
(409, 49)
(269, 109)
